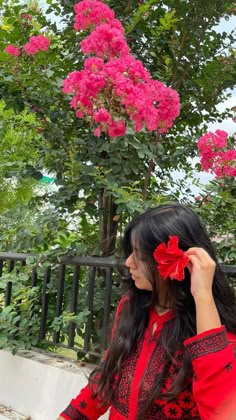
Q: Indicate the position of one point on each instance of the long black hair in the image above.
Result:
(146, 232)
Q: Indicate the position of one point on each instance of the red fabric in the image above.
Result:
(226, 410)
(171, 260)
(213, 355)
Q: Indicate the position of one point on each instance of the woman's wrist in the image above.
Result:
(204, 298)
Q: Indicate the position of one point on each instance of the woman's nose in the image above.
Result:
(130, 262)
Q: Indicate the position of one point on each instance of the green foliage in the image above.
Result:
(19, 156)
(19, 321)
(217, 208)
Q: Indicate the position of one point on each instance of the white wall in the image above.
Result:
(39, 385)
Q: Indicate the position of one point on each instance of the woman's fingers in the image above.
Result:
(202, 268)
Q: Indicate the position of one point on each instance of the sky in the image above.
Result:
(228, 124)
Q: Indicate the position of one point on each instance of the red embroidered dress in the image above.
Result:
(213, 355)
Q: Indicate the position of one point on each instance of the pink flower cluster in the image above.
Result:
(91, 13)
(26, 16)
(35, 44)
(105, 41)
(11, 49)
(216, 157)
(114, 87)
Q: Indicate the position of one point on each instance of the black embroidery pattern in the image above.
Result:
(83, 404)
(207, 345)
(154, 366)
(228, 367)
(182, 407)
(121, 397)
(74, 414)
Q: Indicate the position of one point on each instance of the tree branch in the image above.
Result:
(151, 165)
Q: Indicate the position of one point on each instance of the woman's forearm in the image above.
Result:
(207, 316)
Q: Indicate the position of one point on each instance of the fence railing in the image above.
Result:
(96, 277)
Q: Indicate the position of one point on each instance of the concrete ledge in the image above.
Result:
(38, 384)
(7, 413)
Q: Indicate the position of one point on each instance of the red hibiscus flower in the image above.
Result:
(170, 259)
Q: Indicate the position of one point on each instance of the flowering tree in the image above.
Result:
(112, 153)
(216, 156)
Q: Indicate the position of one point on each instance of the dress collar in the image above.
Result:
(160, 320)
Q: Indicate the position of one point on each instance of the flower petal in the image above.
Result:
(171, 260)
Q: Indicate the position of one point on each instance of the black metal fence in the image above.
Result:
(74, 273)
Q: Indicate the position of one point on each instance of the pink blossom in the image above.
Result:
(102, 116)
(79, 114)
(30, 48)
(131, 69)
(93, 64)
(144, 101)
(40, 41)
(215, 156)
(36, 43)
(106, 42)
(228, 162)
(84, 84)
(26, 16)
(211, 140)
(11, 49)
(97, 131)
(91, 13)
(71, 83)
(116, 128)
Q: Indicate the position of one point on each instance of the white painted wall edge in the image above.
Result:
(38, 384)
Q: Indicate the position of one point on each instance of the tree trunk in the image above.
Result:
(107, 224)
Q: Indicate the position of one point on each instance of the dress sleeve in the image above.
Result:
(84, 406)
(213, 357)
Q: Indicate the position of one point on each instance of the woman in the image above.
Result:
(173, 350)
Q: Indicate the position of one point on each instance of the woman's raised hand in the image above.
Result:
(202, 269)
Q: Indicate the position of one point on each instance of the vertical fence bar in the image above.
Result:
(60, 292)
(45, 298)
(73, 305)
(18, 302)
(88, 328)
(10, 266)
(34, 277)
(9, 284)
(107, 305)
(1, 267)
(33, 284)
